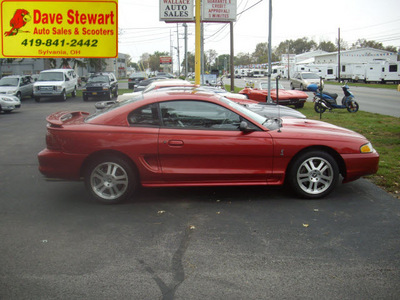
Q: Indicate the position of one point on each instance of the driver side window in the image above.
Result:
(198, 115)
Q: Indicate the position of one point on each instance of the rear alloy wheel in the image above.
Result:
(110, 180)
(314, 174)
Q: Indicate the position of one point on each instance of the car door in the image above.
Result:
(26, 86)
(200, 142)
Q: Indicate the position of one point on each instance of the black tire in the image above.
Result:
(116, 93)
(318, 107)
(37, 99)
(352, 107)
(73, 94)
(63, 96)
(291, 86)
(85, 98)
(313, 174)
(110, 179)
(299, 105)
(19, 96)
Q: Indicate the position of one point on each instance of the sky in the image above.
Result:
(141, 31)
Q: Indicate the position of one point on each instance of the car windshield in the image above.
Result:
(138, 75)
(264, 86)
(51, 76)
(97, 79)
(9, 81)
(310, 76)
(252, 115)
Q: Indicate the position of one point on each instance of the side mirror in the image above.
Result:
(244, 127)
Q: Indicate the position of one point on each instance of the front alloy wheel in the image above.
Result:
(314, 174)
(110, 180)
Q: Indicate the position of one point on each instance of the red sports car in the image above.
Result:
(186, 138)
(286, 97)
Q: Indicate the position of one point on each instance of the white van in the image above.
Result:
(55, 83)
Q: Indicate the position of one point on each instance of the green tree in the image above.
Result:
(154, 60)
(260, 55)
(242, 59)
(327, 46)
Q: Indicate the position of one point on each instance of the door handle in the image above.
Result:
(175, 143)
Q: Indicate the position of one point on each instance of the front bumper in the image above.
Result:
(358, 165)
(102, 93)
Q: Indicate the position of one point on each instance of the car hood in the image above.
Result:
(273, 111)
(128, 96)
(317, 130)
(5, 89)
(48, 83)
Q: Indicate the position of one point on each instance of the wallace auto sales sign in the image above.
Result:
(40, 28)
(177, 10)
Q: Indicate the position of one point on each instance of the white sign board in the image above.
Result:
(219, 10)
(176, 10)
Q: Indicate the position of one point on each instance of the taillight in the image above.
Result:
(52, 142)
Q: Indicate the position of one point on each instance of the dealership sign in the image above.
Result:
(176, 10)
(66, 29)
(219, 10)
(165, 60)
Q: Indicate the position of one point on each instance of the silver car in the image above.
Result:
(8, 103)
(302, 79)
(16, 85)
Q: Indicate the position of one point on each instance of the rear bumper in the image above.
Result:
(358, 165)
(56, 164)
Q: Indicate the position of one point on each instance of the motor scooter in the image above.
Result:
(324, 100)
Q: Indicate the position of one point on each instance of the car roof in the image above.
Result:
(57, 70)
(15, 76)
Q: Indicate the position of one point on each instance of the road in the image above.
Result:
(185, 243)
(380, 101)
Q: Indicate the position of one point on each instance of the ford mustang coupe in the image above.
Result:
(285, 97)
(186, 138)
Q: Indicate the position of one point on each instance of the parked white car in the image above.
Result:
(8, 103)
(16, 85)
(55, 83)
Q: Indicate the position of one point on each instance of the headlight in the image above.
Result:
(6, 99)
(367, 148)
(59, 88)
(12, 92)
(105, 88)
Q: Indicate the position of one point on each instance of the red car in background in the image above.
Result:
(286, 97)
(189, 138)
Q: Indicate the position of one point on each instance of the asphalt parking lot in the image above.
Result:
(185, 243)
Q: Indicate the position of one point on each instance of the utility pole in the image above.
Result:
(231, 61)
(269, 52)
(339, 54)
(177, 38)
